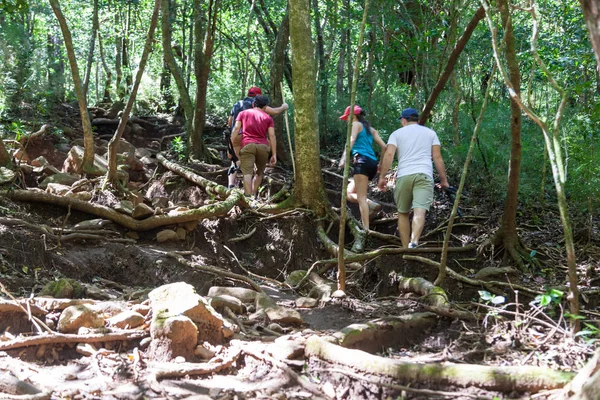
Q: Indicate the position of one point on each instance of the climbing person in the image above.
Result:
(233, 147)
(364, 161)
(415, 147)
(259, 135)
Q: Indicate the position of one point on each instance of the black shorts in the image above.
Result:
(365, 166)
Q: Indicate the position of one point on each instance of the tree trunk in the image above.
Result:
(184, 96)
(56, 69)
(277, 70)
(309, 188)
(111, 175)
(323, 88)
(88, 135)
(460, 45)
(203, 55)
(118, 53)
(88, 69)
(106, 95)
(591, 14)
(507, 234)
(339, 83)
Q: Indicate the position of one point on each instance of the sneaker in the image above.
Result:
(412, 245)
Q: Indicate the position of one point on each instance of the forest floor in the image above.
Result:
(387, 335)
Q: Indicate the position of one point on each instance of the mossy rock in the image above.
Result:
(63, 289)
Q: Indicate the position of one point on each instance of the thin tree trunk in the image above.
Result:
(508, 228)
(184, 96)
(88, 135)
(90, 59)
(339, 83)
(323, 87)
(203, 56)
(118, 53)
(277, 68)
(111, 175)
(460, 45)
(106, 96)
(56, 68)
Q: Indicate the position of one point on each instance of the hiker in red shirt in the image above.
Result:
(258, 136)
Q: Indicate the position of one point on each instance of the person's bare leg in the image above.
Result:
(404, 228)
(361, 185)
(418, 223)
(256, 183)
(247, 185)
(351, 192)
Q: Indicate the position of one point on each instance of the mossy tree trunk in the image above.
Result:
(309, 188)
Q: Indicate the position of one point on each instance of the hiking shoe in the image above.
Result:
(412, 245)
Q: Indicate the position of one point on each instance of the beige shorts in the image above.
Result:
(413, 191)
(254, 154)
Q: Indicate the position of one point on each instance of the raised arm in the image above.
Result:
(273, 111)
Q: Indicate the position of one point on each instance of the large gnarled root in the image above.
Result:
(504, 379)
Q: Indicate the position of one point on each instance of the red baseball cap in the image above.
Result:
(357, 111)
(254, 91)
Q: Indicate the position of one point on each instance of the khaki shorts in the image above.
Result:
(413, 191)
(251, 154)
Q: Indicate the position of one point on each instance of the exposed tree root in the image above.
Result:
(435, 297)
(424, 392)
(174, 217)
(505, 379)
(206, 184)
(59, 338)
(489, 285)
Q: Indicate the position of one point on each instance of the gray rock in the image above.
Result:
(74, 317)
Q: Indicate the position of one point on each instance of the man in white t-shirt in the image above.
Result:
(415, 146)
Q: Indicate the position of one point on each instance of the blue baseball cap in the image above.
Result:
(409, 112)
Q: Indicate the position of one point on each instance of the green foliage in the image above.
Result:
(488, 298)
(180, 147)
(549, 299)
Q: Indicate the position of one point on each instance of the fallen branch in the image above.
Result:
(60, 338)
